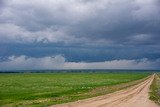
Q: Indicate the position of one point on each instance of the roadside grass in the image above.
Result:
(44, 89)
(155, 89)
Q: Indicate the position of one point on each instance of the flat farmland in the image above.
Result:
(44, 89)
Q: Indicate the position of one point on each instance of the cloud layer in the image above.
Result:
(80, 30)
(58, 62)
(105, 21)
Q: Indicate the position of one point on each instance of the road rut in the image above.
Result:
(135, 96)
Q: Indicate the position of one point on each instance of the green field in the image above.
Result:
(155, 89)
(43, 89)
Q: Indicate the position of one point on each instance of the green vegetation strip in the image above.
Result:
(155, 89)
(43, 89)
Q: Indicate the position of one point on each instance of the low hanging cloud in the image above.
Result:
(58, 62)
(114, 64)
(23, 63)
(106, 33)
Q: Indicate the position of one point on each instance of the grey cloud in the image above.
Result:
(23, 62)
(2, 4)
(115, 64)
(81, 30)
(58, 62)
(78, 53)
(94, 20)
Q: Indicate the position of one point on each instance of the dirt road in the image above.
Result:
(135, 96)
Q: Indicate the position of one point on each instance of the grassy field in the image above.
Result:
(43, 89)
(155, 89)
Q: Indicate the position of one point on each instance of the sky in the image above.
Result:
(79, 34)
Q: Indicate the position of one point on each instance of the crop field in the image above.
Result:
(43, 89)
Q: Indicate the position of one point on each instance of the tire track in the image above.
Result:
(135, 96)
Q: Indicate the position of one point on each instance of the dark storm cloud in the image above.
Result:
(80, 53)
(114, 21)
(80, 30)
